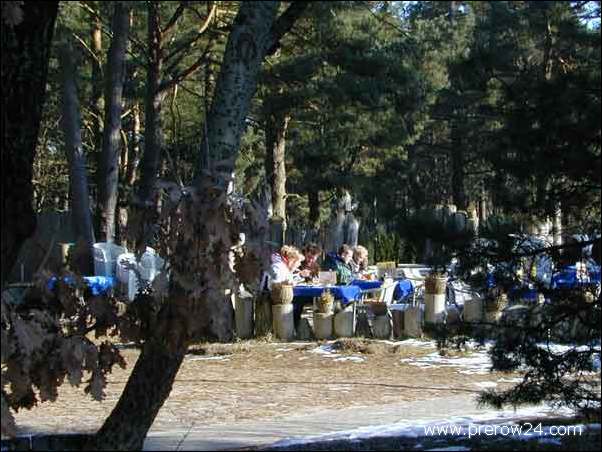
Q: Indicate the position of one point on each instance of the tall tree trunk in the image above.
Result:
(275, 169)
(201, 308)
(112, 131)
(313, 199)
(147, 388)
(78, 180)
(96, 99)
(25, 54)
(458, 171)
(152, 110)
(134, 146)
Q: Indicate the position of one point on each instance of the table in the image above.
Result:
(346, 294)
(367, 284)
(567, 278)
(404, 287)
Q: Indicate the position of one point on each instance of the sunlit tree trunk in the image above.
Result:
(198, 307)
(275, 130)
(109, 170)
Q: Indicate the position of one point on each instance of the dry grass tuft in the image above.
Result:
(217, 349)
(352, 345)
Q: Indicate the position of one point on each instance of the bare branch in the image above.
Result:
(187, 44)
(283, 24)
(184, 74)
(172, 21)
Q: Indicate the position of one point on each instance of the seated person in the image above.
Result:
(311, 252)
(359, 263)
(341, 264)
(309, 269)
(284, 267)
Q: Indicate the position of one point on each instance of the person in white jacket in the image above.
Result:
(284, 266)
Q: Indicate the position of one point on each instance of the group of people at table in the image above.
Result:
(301, 268)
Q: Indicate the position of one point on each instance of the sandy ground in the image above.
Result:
(262, 380)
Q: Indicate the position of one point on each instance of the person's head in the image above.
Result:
(292, 256)
(360, 255)
(345, 253)
(311, 253)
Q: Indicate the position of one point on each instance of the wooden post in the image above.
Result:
(283, 323)
(244, 317)
(323, 325)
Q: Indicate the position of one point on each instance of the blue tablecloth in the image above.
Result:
(346, 294)
(525, 294)
(366, 284)
(567, 278)
(98, 285)
(404, 287)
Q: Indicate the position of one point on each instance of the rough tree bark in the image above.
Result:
(275, 131)
(25, 53)
(313, 198)
(197, 305)
(458, 184)
(114, 79)
(149, 164)
(78, 179)
(96, 99)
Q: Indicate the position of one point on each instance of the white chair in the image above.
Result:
(126, 274)
(105, 258)
(387, 291)
(150, 264)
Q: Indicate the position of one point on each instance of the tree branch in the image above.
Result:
(283, 24)
(172, 21)
(182, 75)
(187, 44)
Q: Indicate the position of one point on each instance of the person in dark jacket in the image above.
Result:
(341, 264)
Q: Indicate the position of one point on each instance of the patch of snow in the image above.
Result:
(417, 428)
(417, 343)
(284, 349)
(510, 380)
(209, 358)
(475, 363)
(486, 384)
(278, 356)
(355, 359)
(451, 448)
(326, 350)
(553, 441)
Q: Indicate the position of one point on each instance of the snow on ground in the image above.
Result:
(510, 380)
(325, 349)
(354, 359)
(473, 363)
(416, 343)
(209, 358)
(463, 424)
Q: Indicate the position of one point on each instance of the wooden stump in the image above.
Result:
(283, 322)
(243, 314)
(434, 299)
(412, 321)
(344, 323)
(397, 323)
(263, 315)
(382, 326)
(304, 332)
(323, 325)
(473, 310)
